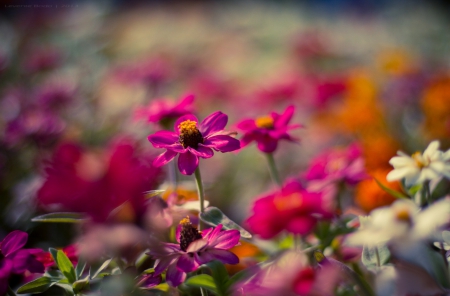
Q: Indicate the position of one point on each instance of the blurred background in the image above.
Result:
(74, 75)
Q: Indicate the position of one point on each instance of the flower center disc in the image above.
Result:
(190, 136)
(188, 234)
(264, 122)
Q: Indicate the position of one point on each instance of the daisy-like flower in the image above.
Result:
(415, 169)
(163, 110)
(194, 249)
(193, 140)
(268, 130)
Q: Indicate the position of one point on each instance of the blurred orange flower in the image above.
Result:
(436, 108)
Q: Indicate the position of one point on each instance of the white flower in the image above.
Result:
(402, 223)
(415, 169)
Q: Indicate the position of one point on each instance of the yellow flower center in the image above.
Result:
(190, 136)
(420, 161)
(403, 215)
(264, 122)
(288, 202)
(188, 233)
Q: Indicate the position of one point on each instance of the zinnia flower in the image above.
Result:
(268, 130)
(418, 168)
(192, 142)
(292, 208)
(194, 249)
(15, 260)
(163, 110)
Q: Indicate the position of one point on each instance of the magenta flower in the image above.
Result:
(163, 110)
(194, 249)
(15, 260)
(293, 209)
(338, 165)
(268, 130)
(192, 142)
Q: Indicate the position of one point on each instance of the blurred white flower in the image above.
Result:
(415, 169)
(402, 223)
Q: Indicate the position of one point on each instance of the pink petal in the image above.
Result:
(13, 242)
(164, 158)
(202, 151)
(162, 139)
(20, 261)
(5, 268)
(184, 118)
(196, 245)
(223, 143)
(226, 239)
(301, 225)
(187, 163)
(284, 118)
(186, 101)
(247, 124)
(187, 263)
(216, 254)
(267, 144)
(163, 263)
(213, 123)
(175, 276)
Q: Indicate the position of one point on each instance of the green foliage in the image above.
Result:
(61, 218)
(213, 216)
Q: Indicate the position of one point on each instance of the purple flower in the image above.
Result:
(192, 142)
(194, 249)
(15, 260)
(268, 130)
(163, 110)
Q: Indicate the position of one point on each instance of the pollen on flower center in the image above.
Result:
(264, 122)
(403, 215)
(190, 136)
(188, 234)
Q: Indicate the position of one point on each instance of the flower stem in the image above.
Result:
(201, 195)
(11, 292)
(273, 169)
(173, 180)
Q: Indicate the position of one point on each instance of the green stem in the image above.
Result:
(11, 292)
(273, 169)
(377, 255)
(201, 195)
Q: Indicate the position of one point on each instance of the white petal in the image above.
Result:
(399, 161)
(431, 149)
(401, 173)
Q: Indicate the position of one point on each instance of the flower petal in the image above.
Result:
(175, 276)
(223, 143)
(5, 268)
(216, 254)
(226, 239)
(202, 151)
(267, 144)
(213, 123)
(184, 118)
(187, 163)
(301, 225)
(187, 263)
(164, 158)
(247, 124)
(20, 261)
(162, 139)
(284, 118)
(13, 242)
(163, 263)
(196, 245)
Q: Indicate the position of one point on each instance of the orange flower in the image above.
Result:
(436, 107)
(378, 149)
(369, 194)
(246, 253)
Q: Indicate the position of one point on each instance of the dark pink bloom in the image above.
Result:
(194, 249)
(338, 165)
(15, 260)
(54, 95)
(192, 142)
(164, 110)
(292, 208)
(98, 181)
(268, 130)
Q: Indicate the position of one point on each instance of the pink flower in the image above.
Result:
(194, 249)
(96, 182)
(192, 142)
(47, 260)
(163, 110)
(15, 260)
(338, 165)
(292, 209)
(268, 130)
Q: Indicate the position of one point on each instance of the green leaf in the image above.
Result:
(39, 285)
(151, 193)
(373, 257)
(79, 285)
(202, 281)
(61, 218)
(81, 265)
(64, 264)
(220, 276)
(101, 268)
(67, 288)
(392, 192)
(213, 216)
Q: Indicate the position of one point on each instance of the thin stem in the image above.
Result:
(273, 169)
(377, 255)
(443, 253)
(11, 292)
(201, 194)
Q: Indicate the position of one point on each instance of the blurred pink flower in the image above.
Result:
(192, 142)
(338, 165)
(194, 249)
(97, 182)
(16, 260)
(42, 59)
(268, 130)
(163, 111)
(151, 72)
(292, 209)
(54, 95)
